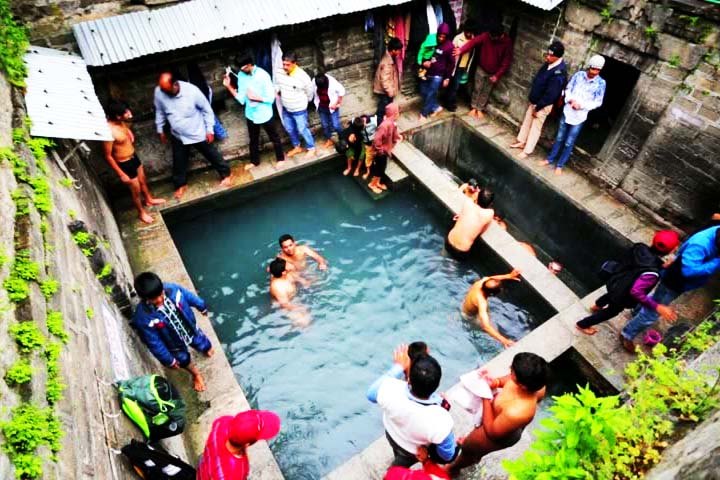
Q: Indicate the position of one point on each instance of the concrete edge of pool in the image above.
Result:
(224, 394)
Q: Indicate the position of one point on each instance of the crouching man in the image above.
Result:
(166, 324)
(413, 418)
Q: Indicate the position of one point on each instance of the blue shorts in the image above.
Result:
(200, 342)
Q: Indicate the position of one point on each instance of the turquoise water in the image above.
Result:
(387, 283)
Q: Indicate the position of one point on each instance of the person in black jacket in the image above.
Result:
(547, 86)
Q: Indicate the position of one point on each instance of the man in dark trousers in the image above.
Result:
(546, 88)
(185, 108)
(495, 51)
(439, 68)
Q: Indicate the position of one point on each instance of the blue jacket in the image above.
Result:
(547, 85)
(697, 260)
(160, 338)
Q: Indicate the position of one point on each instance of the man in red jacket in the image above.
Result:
(495, 51)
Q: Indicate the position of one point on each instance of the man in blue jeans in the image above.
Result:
(295, 89)
(328, 97)
(697, 260)
(584, 92)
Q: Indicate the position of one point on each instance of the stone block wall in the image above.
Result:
(101, 347)
(661, 153)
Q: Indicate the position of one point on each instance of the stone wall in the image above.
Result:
(661, 152)
(101, 348)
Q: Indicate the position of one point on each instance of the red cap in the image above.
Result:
(402, 473)
(253, 425)
(665, 241)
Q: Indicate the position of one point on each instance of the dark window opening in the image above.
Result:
(621, 79)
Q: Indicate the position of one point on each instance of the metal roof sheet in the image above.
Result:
(60, 97)
(124, 37)
(544, 4)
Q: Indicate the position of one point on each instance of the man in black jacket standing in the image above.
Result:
(547, 86)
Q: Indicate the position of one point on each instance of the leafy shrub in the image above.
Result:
(13, 44)
(27, 336)
(56, 325)
(49, 287)
(19, 373)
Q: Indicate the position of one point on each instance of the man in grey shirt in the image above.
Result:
(191, 120)
(296, 90)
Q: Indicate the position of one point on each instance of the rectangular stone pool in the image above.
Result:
(388, 283)
(557, 227)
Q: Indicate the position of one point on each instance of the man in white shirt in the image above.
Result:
(296, 90)
(584, 92)
(412, 414)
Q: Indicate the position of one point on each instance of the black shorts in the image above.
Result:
(455, 253)
(130, 167)
(379, 165)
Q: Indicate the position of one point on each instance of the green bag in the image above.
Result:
(154, 405)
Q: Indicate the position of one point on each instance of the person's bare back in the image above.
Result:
(476, 303)
(471, 223)
(282, 289)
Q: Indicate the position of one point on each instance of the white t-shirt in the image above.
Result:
(408, 422)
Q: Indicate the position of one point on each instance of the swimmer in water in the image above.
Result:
(297, 254)
(476, 303)
(283, 290)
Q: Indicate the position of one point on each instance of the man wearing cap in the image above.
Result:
(631, 285)
(585, 92)
(187, 110)
(225, 456)
(697, 260)
(256, 92)
(544, 92)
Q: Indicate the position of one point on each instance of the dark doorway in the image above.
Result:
(621, 79)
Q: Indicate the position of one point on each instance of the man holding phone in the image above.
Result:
(256, 92)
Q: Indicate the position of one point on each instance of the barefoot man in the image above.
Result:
(505, 416)
(165, 321)
(475, 303)
(297, 254)
(474, 219)
(283, 290)
(120, 155)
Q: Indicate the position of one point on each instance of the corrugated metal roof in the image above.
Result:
(123, 37)
(544, 4)
(60, 97)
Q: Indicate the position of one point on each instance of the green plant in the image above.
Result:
(3, 258)
(22, 202)
(589, 437)
(651, 32)
(576, 440)
(22, 271)
(82, 238)
(13, 44)
(49, 287)
(19, 166)
(42, 196)
(72, 214)
(38, 146)
(27, 336)
(56, 325)
(702, 337)
(54, 387)
(674, 61)
(66, 182)
(19, 373)
(30, 427)
(25, 268)
(90, 313)
(108, 289)
(106, 271)
(16, 288)
(691, 21)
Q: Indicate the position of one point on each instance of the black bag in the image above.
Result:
(153, 463)
(608, 269)
(637, 261)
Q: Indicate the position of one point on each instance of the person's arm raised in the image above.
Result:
(485, 324)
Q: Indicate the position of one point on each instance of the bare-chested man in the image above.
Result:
(505, 416)
(120, 154)
(475, 303)
(283, 290)
(474, 219)
(297, 254)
